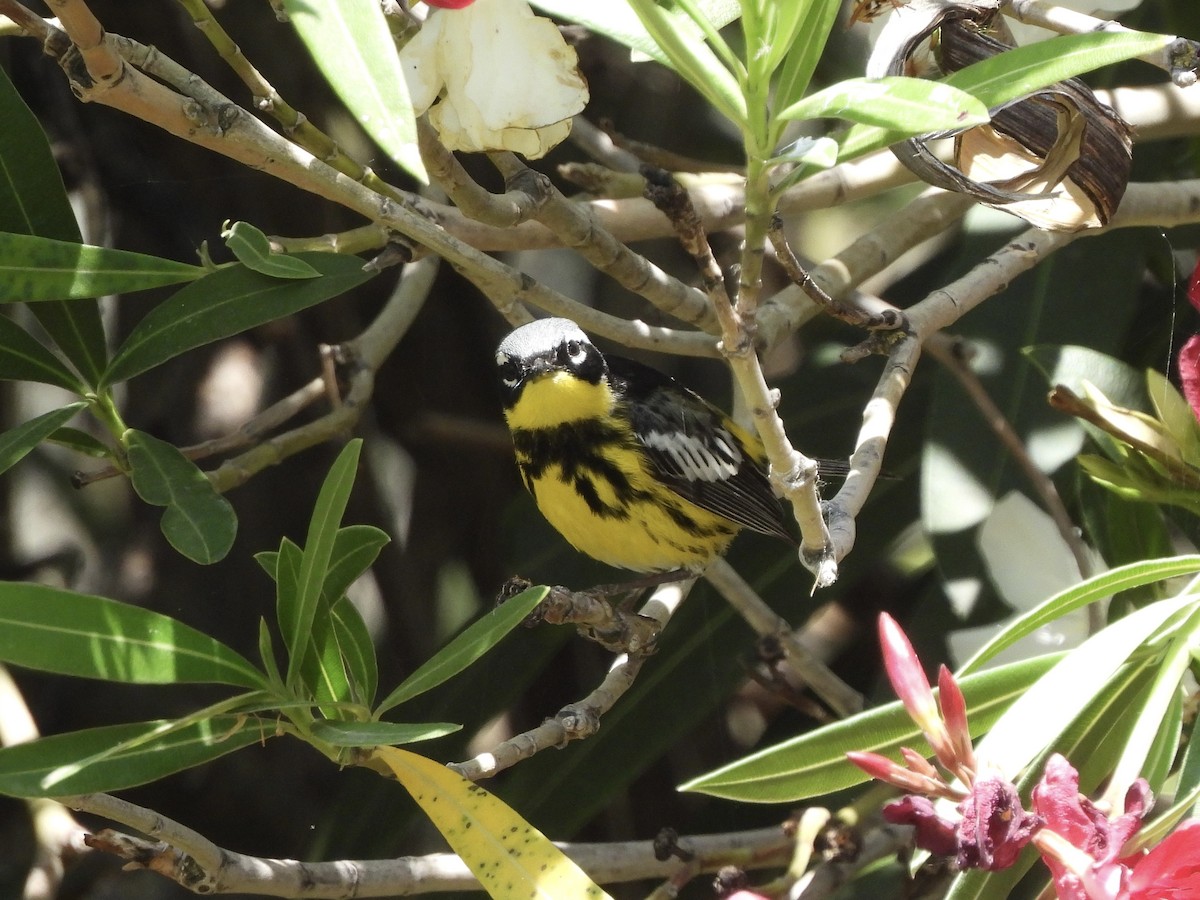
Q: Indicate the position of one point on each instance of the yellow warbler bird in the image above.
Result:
(630, 466)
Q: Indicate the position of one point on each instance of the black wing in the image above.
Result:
(693, 452)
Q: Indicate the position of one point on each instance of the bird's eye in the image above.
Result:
(576, 352)
(510, 371)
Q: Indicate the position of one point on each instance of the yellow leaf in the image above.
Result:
(510, 857)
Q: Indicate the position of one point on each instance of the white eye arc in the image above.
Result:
(577, 351)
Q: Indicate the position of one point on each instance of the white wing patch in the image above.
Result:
(697, 460)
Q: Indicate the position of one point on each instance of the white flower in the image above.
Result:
(494, 76)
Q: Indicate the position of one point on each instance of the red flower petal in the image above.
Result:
(1170, 871)
(1193, 288)
(1189, 372)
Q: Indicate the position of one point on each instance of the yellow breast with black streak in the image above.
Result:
(580, 459)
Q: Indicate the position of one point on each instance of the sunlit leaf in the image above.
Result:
(511, 858)
(815, 763)
(60, 631)
(352, 46)
(467, 647)
(227, 302)
(36, 268)
(253, 250)
(377, 734)
(318, 550)
(900, 104)
(26, 768)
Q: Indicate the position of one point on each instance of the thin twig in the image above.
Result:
(793, 474)
(177, 852)
(580, 231)
(581, 719)
(839, 696)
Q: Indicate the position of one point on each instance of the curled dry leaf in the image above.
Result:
(1059, 158)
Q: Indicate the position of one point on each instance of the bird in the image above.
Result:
(630, 466)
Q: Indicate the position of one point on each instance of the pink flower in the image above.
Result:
(1189, 354)
(1171, 871)
(995, 827)
(1082, 847)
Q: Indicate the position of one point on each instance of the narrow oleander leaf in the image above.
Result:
(467, 647)
(908, 105)
(198, 521)
(815, 763)
(17, 442)
(318, 551)
(23, 358)
(83, 443)
(34, 268)
(227, 302)
(29, 769)
(1036, 718)
(358, 651)
(253, 250)
(60, 631)
(352, 46)
(34, 201)
(355, 548)
(1098, 587)
(511, 858)
(1021, 71)
(380, 734)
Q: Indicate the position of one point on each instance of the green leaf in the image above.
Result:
(26, 769)
(34, 201)
(198, 521)
(318, 551)
(253, 250)
(693, 59)
(1033, 722)
(1176, 414)
(1021, 71)
(23, 358)
(467, 647)
(618, 22)
(17, 442)
(83, 443)
(324, 669)
(352, 46)
(815, 763)
(357, 649)
(1098, 587)
(511, 858)
(36, 268)
(354, 550)
(60, 631)
(804, 50)
(900, 104)
(377, 734)
(32, 197)
(226, 302)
